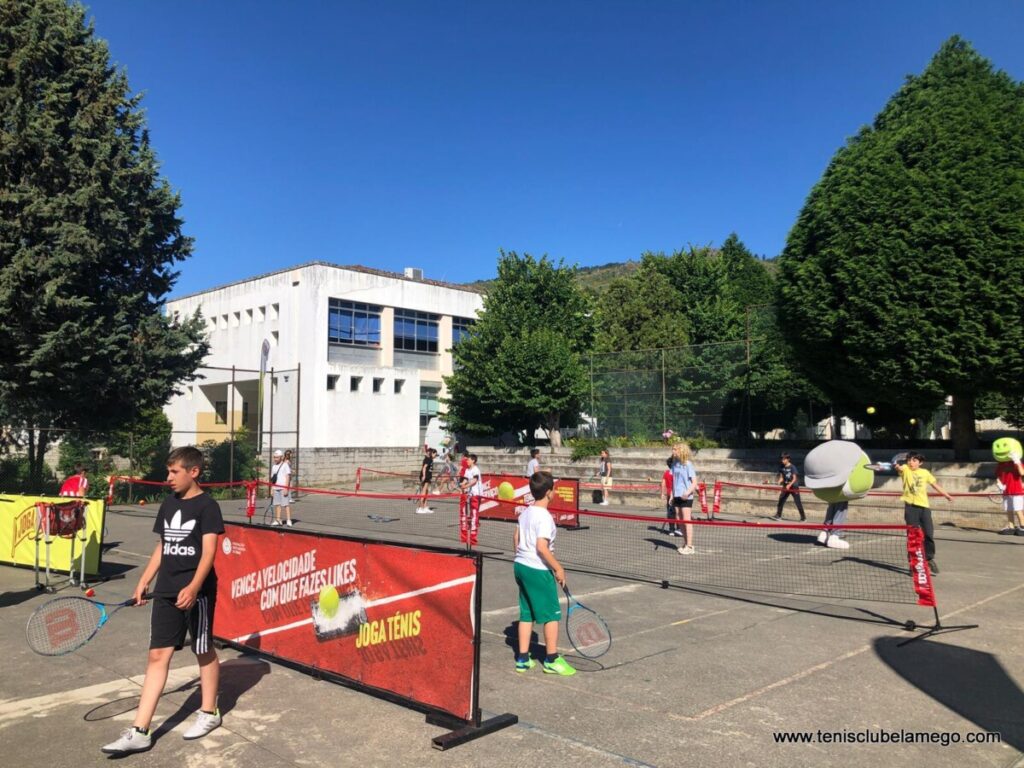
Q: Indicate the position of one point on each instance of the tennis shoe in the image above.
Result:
(676, 532)
(131, 741)
(834, 542)
(1008, 531)
(525, 664)
(687, 550)
(933, 566)
(289, 523)
(604, 503)
(424, 511)
(1019, 532)
(559, 667)
(276, 522)
(823, 537)
(204, 723)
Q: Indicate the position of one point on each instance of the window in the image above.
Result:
(274, 336)
(415, 331)
(220, 412)
(223, 321)
(261, 314)
(349, 322)
(460, 328)
(332, 382)
(378, 386)
(248, 317)
(274, 311)
(245, 411)
(236, 318)
(428, 404)
(399, 383)
(354, 383)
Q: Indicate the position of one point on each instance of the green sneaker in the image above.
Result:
(525, 664)
(559, 667)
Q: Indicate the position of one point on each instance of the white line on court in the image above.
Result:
(625, 589)
(583, 745)
(13, 710)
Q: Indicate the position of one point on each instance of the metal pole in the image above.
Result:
(270, 448)
(298, 412)
(592, 414)
(231, 453)
(664, 406)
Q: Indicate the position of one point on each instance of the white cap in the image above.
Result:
(278, 453)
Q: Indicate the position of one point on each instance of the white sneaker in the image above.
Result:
(131, 741)
(424, 511)
(604, 503)
(289, 523)
(276, 522)
(836, 543)
(823, 537)
(204, 723)
(687, 550)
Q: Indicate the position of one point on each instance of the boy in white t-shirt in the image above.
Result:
(473, 487)
(537, 572)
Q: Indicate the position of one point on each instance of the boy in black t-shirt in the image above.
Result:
(789, 480)
(189, 522)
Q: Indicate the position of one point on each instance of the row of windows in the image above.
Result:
(241, 317)
(357, 324)
(355, 384)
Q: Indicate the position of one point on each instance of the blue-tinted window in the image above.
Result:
(416, 331)
(460, 328)
(349, 322)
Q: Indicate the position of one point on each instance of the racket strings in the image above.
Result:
(62, 625)
(587, 632)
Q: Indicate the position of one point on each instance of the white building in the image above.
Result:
(373, 347)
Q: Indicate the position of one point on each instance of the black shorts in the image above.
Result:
(169, 625)
(678, 501)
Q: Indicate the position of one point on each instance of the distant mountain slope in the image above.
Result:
(594, 278)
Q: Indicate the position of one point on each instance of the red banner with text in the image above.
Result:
(395, 618)
(919, 570)
(505, 496)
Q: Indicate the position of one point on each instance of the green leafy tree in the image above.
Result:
(146, 443)
(89, 234)
(899, 281)
(519, 368)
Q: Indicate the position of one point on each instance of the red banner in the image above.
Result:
(919, 570)
(399, 619)
(506, 503)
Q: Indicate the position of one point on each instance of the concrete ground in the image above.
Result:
(693, 678)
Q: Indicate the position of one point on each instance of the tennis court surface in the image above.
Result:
(712, 675)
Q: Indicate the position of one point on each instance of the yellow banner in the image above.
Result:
(18, 533)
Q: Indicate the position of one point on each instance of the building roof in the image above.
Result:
(348, 267)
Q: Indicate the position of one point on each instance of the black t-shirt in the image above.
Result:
(181, 524)
(427, 473)
(788, 473)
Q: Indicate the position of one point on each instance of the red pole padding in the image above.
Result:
(919, 570)
(716, 505)
(250, 498)
(359, 477)
(702, 491)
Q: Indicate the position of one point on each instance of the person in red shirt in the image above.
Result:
(1009, 476)
(666, 494)
(77, 484)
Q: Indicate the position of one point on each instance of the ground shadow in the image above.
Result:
(8, 599)
(670, 543)
(237, 676)
(795, 538)
(971, 683)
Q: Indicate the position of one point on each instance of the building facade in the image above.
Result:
(356, 356)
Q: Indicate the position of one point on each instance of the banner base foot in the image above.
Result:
(467, 731)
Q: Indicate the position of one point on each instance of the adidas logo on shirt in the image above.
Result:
(174, 532)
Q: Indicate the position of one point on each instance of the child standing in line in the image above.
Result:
(916, 511)
(533, 465)
(537, 573)
(684, 483)
(473, 487)
(789, 480)
(604, 470)
(426, 478)
(188, 523)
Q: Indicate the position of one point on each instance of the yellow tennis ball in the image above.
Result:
(871, 409)
(506, 492)
(329, 601)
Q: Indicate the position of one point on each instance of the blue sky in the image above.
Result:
(432, 134)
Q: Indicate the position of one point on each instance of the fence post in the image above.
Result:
(231, 428)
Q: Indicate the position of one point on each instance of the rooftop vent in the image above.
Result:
(414, 273)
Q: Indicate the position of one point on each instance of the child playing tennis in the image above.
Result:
(537, 572)
(189, 522)
(916, 511)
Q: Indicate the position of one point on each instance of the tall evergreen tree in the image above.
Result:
(89, 234)
(519, 368)
(900, 281)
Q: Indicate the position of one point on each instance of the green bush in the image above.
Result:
(14, 477)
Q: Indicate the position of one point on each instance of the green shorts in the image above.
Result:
(538, 594)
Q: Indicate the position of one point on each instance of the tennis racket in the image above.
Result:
(587, 631)
(65, 624)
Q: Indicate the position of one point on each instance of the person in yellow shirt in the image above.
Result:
(916, 511)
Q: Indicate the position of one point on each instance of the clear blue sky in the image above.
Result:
(431, 134)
